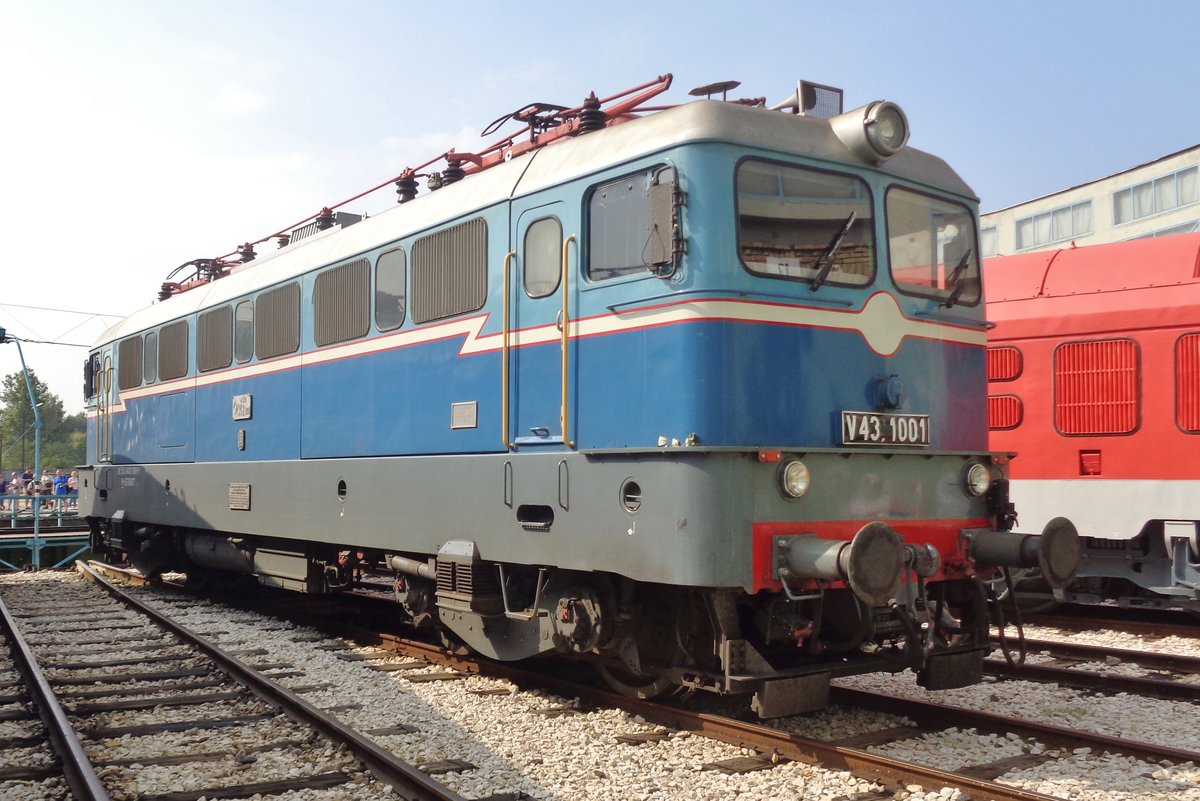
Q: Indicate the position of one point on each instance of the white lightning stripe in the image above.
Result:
(880, 322)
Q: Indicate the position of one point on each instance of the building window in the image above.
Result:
(1096, 387)
(1003, 363)
(214, 339)
(277, 322)
(1055, 225)
(243, 331)
(1185, 228)
(450, 272)
(173, 351)
(341, 310)
(390, 274)
(789, 216)
(150, 357)
(1180, 188)
(1004, 412)
(989, 241)
(1187, 383)
(542, 263)
(129, 363)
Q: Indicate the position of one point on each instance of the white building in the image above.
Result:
(1152, 199)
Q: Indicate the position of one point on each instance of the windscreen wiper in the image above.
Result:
(825, 263)
(954, 280)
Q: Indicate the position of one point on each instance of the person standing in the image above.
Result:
(3, 490)
(73, 488)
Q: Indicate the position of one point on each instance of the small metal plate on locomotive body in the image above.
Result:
(880, 428)
(239, 497)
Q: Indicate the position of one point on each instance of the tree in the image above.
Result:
(64, 439)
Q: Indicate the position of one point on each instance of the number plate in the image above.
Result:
(872, 428)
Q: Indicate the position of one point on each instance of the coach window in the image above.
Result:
(243, 331)
(340, 305)
(129, 363)
(150, 357)
(277, 322)
(803, 225)
(543, 257)
(932, 247)
(173, 351)
(450, 272)
(622, 239)
(214, 337)
(390, 274)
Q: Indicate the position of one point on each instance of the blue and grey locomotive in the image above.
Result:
(696, 393)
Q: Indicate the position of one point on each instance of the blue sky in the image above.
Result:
(140, 135)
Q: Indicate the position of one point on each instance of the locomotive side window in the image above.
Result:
(129, 367)
(450, 272)
(214, 339)
(543, 257)
(150, 357)
(173, 351)
(1187, 383)
(805, 224)
(1096, 387)
(277, 322)
(932, 246)
(340, 305)
(390, 273)
(243, 331)
(1003, 363)
(621, 236)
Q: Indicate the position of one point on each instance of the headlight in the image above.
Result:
(978, 479)
(794, 478)
(875, 132)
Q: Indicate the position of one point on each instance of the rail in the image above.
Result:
(81, 777)
(408, 782)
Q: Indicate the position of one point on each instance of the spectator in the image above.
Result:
(60, 489)
(3, 490)
(16, 486)
(73, 488)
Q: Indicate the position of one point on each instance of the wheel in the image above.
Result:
(634, 685)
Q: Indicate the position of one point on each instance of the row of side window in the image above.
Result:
(1097, 386)
(449, 277)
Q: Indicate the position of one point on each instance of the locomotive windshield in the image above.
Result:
(805, 224)
(932, 246)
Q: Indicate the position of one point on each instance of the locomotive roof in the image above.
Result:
(1123, 285)
(576, 157)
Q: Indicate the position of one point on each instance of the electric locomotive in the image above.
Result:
(695, 393)
(1094, 375)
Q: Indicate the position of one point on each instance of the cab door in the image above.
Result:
(541, 296)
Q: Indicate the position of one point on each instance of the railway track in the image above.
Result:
(145, 708)
(1036, 743)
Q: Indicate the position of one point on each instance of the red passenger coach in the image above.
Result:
(1094, 385)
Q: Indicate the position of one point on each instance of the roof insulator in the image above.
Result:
(247, 253)
(592, 118)
(324, 219)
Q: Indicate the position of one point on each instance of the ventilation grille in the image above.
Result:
(450, 272)
(214, 339)
(340, 305)
(277, 322)
(475, 579)
(1096, 387)
(173, 351)
(341, 219)
(129, 367)
(1004, 412)
(1187, 382)
(1003, 363)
